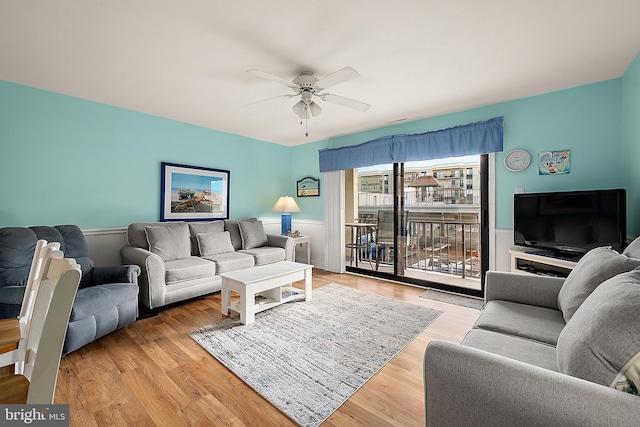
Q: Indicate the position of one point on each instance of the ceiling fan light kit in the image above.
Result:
(306, 85)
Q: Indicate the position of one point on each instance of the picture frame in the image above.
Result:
(193, 193)
(554, 162)
(308, 187)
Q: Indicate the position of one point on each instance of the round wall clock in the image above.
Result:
(517, 160)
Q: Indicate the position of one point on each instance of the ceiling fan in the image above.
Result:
(306, 85)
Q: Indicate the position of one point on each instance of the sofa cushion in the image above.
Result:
(17, 245)
(169, 243)
(233, 227)
(137, 236)
(196, 228)
(601, 342)
(522, 320)
(523, 350)
(214, 243)
(633, 250)
(595, 267)
(252, 234)
(96, 299)
(187, 269)
(72, 244)
(231, 261)
(266, 254)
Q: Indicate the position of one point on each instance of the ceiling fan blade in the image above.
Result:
(345, 102)
(271, 99)
(271, 77)
(347, 73)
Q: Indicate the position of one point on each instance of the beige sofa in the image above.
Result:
(183, 260)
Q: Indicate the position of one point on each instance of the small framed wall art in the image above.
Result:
(308, 187)
(193, 193)
(554, 162)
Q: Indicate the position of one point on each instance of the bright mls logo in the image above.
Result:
(36, 415)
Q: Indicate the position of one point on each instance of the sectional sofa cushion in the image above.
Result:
(266, 254)
(180, 270)
(594, 267)
(524, 350)
(231, 261)
(214, 243)
(522, 320)
(196, 228)
(252, 234)
(601, 342)
(633, 250)
(169, 243)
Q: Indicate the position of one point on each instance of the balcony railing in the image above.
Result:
(439, 196)
(438, 246)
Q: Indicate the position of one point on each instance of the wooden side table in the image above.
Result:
(299, 241)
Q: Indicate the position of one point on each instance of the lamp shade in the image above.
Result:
(286, 204)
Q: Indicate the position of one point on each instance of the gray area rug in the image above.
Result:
(308, 358)
(449, 298)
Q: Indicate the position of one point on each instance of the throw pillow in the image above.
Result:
(595, 267)
(252, 234)
(196, 228)
(214, 243)
(169, 243)
(601, 343)
(233, 227)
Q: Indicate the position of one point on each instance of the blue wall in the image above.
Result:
(67, 160)
(103, 162)
(585, 120)
(631, 143)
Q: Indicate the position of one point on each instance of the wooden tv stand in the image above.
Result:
(531, 261)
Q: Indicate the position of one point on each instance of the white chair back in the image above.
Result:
(48, 328)
(43, 253)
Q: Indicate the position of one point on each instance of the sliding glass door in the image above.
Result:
(421, 222)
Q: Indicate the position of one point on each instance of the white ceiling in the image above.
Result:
(187, 60)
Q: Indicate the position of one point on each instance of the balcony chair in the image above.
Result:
(384, 237)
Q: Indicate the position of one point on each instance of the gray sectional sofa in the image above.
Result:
(183, 260)
(545, 351)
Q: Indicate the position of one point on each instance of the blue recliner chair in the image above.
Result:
(107, 299)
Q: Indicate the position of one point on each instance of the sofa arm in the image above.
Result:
(285, 242)
(469, 387)
(522, 288)
(152, 275)
(115, 274)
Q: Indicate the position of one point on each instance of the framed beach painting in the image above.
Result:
(193, 193)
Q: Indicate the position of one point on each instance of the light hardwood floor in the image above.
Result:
(152, 373)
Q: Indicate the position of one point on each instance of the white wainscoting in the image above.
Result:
(104, 244)
(504, 242)
(315, 229)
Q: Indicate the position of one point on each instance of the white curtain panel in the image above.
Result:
(334, 221)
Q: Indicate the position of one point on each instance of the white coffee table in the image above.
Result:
(271, 281)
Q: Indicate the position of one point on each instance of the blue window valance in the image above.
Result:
(474, 138)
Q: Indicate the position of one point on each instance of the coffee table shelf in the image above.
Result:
(269, 302)
(268, 281)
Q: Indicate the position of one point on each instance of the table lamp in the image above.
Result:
(286, 204)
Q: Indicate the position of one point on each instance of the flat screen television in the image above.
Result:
(569, 224)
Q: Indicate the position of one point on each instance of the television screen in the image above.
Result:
(570, 222)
